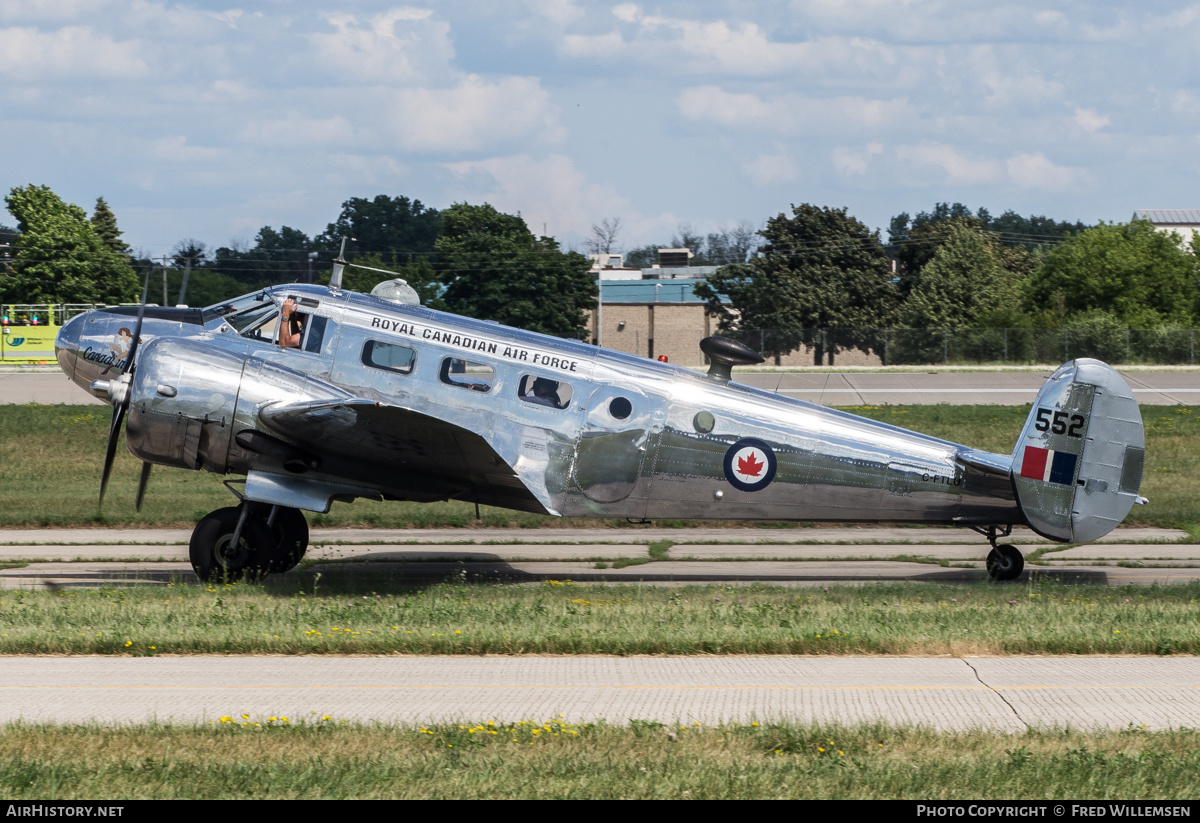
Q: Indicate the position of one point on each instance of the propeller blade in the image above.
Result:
(120, 407)
(142, 481)
(137, 330)
(113, 432)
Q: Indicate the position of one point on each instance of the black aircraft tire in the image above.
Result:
(291, 539)
(1005, 562)
(209, 547)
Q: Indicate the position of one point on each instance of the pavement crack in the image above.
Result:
(996, 692)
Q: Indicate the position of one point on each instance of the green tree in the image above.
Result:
(60, 257)
(913, 244)
(819, 270)
(277, 256)
(494, 268)
(105, 223)
(965, 285)
(1140, 276)
(396, 229)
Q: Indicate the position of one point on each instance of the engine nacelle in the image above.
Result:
(182, 404)
(194, 405)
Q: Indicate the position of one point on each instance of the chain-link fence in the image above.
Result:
(898, 347)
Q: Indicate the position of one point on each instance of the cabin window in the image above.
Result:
(704, 422)
(389, 357)
(467, 375)
(620, 407)
(543, 391)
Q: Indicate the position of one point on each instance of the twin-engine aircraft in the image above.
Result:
(317, 394)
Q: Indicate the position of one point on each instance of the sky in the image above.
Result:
(211, 120)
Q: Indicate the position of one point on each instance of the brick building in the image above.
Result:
(655, 311)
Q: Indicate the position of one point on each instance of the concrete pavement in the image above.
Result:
(1004, 694)
(801, 557)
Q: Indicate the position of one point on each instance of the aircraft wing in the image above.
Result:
(395, 447)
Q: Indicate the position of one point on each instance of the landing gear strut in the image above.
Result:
(248, 540)
(1004, 562)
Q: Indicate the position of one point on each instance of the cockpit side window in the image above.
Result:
(543, 391)
(388, 356)
(467, 375)
(316, 331)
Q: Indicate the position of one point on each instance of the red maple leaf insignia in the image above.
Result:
(749, 466)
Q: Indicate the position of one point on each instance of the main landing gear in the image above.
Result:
(248, 540)
(1004, 562)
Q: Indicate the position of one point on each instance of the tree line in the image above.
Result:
(816, 277)
(823, 279)
(467, 259)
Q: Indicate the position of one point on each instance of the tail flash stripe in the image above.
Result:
(1048, 465)
(1063, 469)
(1034, 463)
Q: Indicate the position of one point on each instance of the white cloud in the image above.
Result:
(1089, 120)
(1034, 171)
(627, 12)
(403, 45)
(789, 113)
(46, 10)
(295, 130)
(723, 47)
(549, 192)
(957, 167)
(475, 114)
(560, 12)
(855, 161)
(175, 149)
(76, 52)
(771, 169)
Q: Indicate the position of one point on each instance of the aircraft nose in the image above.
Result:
(66, 345)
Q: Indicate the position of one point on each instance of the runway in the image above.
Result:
(58, 558)
(1002, 694)
(1157, 388)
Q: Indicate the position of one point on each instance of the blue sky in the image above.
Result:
(209, 120)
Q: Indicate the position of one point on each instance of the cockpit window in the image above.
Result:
(467, 375)
(542, 391)
(257, 323)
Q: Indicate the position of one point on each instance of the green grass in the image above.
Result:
(330, 759)
(51, 458)
(377, 615)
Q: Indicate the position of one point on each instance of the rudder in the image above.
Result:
(1077, 466)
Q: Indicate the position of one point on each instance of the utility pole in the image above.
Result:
(165, 298)
(312, 255)
(183, 288)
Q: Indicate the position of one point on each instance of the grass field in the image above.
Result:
(262, 758)
(287, 617)
(51, 457)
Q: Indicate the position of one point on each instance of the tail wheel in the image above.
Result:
(1005, 562)
(291, 539)
(214, 556)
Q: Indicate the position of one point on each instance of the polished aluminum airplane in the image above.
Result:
(318, 394)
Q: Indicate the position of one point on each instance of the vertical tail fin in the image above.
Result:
(1077, 466)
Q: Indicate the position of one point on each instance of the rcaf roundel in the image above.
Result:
(750, 465)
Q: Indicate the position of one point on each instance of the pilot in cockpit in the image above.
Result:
(291, 326)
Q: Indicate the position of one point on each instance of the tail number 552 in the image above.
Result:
(1059, 422)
